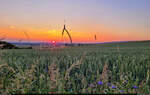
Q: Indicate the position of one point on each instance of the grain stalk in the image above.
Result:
(74, 65)
(53, 72)
(104, 76)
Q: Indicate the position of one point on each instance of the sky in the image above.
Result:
(43, 20)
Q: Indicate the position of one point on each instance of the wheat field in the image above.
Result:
(101, 68)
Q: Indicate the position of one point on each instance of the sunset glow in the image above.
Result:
(43, 20)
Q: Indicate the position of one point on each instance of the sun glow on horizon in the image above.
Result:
(122, 20)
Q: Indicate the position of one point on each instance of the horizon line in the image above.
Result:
(74, 42)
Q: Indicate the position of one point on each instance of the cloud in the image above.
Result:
(12, 27)
(50, 31)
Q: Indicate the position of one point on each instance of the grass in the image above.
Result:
(103, 68)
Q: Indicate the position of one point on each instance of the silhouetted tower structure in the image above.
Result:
(64, 29)
(95, 37)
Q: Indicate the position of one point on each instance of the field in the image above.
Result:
(101, 68)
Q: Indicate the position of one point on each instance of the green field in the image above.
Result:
(101, 68)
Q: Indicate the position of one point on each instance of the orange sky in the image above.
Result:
(116, 20)
(46, 34)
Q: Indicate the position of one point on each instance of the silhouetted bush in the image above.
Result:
(6, 45)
